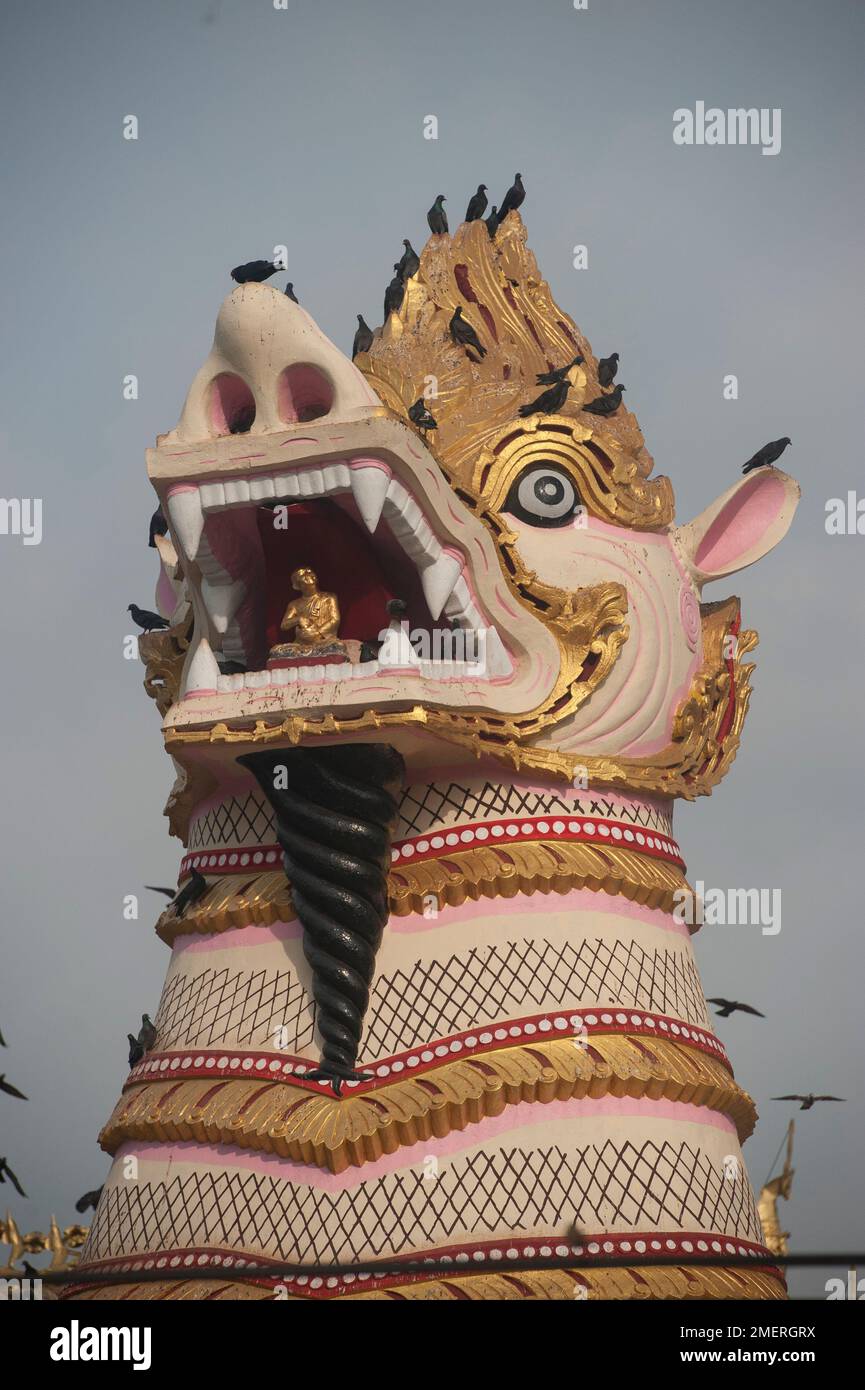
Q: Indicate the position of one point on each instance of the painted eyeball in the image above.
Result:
(543, 495)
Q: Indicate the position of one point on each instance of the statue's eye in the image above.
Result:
(543, 495)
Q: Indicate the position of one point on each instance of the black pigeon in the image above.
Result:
(463, 334)
(729, 1006)
(362, 338)
(289, 290)
(550, 378)
(513, 198)
(396, 608)
(768, 454)
(254, 270)
(147, 1033)
(88, 1199)
(477, 204)
(420, 416)
(809, 1100)
(393, 295)
(9, 1089)
(607, 368)
(409, 262)
(437, 217)
(169, 892)
(158, 527)
(190, 893)
(146, 620)
(492, 223)
(606, 405)
(136, 1051)
(548, 402)
(6, 1172)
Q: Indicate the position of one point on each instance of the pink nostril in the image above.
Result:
(303, 393)
(232, 404)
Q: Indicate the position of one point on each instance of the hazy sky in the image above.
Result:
(305, 126)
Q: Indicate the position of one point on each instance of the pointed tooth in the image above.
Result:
(222, 602)
(369, 486)
(187, 519)
(498, 663)
(203, 672)
(439, 579)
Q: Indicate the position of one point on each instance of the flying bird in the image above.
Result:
(362, 338)
(513, 198)
(463, 334)
(606, 405)
(809, 1100)
(190, 893)
(6, 1172)
(559, 374)
(477, 204)
(147, 1033)
(289, 290)
(420, 416)
(9, 1089)
(169, 892)
(89, 1199)
(492, 223)
(437, 217)
(409, 262)
(729, 1006)
(548, 402)
(768, 454)
(254, 270)
(158, 527)
(393, 295)
(146, 620)
(607, 368)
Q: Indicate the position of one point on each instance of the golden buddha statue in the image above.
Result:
(314, 619)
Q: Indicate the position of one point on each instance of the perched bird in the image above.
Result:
(477, 204)
(437, 217)
(6, 1172)
(362, 338)
(136, 1051)
(463, 334)
(89, 1199)
(513, 198)
(729, 1006)
(289, 289)
(768, 454)
(492, 223)
(169, 892)
(158, 527)
(550, 378)
(548, 402)
(607, 368)
(420, 416)
(9, 1089)
(254, 270)
(190, 893)
(808, 1101)
(146, 620)
(606, 405)
(393, 295)
(409, 262)
(147, 1033)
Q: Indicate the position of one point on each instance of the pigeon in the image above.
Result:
(393, 295)
(409, 262)
(147, 1033)
(9, 1089)
(420, 416)
(492, 223)
(808, 1101)
(607, 368)
(254, 270)
(6, 1172)
(548, 402)
(513, 198)
(88, 1199)
(136, 1051)
(146, 620)
(169, 892)
(437, 217)
(463, 334)
(477, 204)
(550, 378)
(606, 405)
(190, 893)
(158, 527)
(729, 1006)
(768, 454)
(362, 338)
(289, 290)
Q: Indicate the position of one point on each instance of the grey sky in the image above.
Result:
(305, 127)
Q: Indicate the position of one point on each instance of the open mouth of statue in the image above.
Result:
(310, 584)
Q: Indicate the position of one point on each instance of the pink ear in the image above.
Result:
(741, 526)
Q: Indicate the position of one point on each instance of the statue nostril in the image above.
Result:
(303, 393)
(231, 404)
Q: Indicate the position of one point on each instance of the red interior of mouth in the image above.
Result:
(364, 572)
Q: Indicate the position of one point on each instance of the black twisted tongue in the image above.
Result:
(335, 816)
